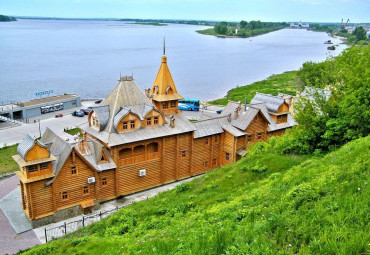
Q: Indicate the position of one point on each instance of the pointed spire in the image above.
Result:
(120, 76)
(164, 46)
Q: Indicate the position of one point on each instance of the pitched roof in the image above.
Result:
(214, 126)
(272, 102)
(182, 125)
(58, 147)
(27, 144)
(164, 88)
(103, 115)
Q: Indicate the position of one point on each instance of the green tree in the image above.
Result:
(243, 24)
(221, 28)
(360, 33)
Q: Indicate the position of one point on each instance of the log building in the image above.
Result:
(136, 141)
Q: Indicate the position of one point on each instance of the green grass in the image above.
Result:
(7, 164)
(283, 83)
(73, 131)
(243, 33)
(263, 204)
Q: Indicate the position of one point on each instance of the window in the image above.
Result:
(214, 162)
(183, 154)
(97, 122)
(216, 139)
(173, 104)
(74, 170)
(124, 126)
(65, 195)
(149, 121)
(104, 181)
(165, 105)
(206, 141)
(250, 137)
(86, 190)
(132, 125)
(155, 120)
(44, 166)
(227, 156)
(205, 164)
(259, 135)
(32, 169)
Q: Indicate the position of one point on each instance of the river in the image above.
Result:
(87, 57)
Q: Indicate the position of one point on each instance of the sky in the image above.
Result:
(358, 11)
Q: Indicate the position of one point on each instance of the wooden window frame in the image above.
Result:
(155, 120)
(206, 141)
(227, 156)
(259, 135)
(250, 138)
(124, 125)
(164, 105)
(183, 153)
(33, 166)
(62, 195)
(205, 163)
(149, 121)
(173, 104)
(84, 189)
(44, 164)
(74, 170)
(216, 140)
(132, 124)
(104, 181)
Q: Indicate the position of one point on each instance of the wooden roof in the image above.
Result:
(164, 88)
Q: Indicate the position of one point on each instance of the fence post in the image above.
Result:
(83, 220)
(65, 228)
(116, 208)
(100, 215)
(46, 237)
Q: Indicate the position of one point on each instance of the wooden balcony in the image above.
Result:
(139, 158)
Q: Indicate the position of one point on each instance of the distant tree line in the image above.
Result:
(4, 18)
(247, 29)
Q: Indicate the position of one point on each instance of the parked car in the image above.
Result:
(58, 115)
(219, 111)
(98, 101)
(86, 111)
(78, 113)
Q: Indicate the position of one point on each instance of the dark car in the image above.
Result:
(219, 111)
(86, 111)
(98, 101)
(78, 113)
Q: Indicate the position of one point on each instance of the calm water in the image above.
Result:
(86, 57)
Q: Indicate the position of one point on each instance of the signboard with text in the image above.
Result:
(47, 92)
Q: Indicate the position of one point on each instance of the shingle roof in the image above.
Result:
(207, 128)
(272, 102)
(182, 125)
(103, 115)
(27, 144)
(245, 118)
(58, 147)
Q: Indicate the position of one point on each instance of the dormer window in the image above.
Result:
(173, 104)
(149, 121)
(155, 120)
(165, 105)
(132, 124)
(124, 125)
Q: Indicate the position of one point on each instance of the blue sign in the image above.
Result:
(44, 93)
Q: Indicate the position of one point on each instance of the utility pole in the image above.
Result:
(40, 127)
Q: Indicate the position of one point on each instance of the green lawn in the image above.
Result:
(284, 83)
(7, 164)
(73, 131)
(264, 204)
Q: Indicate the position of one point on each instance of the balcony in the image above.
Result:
(138, 154)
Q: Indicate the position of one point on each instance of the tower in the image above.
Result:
(164, 93)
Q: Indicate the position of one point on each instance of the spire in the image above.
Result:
(164, 46)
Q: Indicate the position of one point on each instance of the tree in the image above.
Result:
(243, 24)
(360, 33)
(221, 28)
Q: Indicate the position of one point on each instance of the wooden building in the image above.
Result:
(135, 141)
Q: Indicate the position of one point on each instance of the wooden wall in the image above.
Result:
(42, 198)
(37, 152)
(108, 191)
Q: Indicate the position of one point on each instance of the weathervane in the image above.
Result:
(164, 46)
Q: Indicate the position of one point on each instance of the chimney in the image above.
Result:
(239, 105)
(245, 103)
(147, 92)
(229, 117)
(236, 113)
(172, 121)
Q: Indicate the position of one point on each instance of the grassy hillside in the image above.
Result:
(284, 83)
(264, 204)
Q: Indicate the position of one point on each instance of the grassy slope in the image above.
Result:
(283, 83)
(300, 205)
(7, 164)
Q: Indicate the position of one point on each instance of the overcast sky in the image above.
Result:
(230, 10)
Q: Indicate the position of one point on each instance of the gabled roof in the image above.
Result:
(58, 147)
(103, 115)
(27, 144)
(163, 84)
(272, 102)
(245, 118)
(214, 126)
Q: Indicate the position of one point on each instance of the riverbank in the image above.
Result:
(233, 33)
(4, 18)
(278, 83)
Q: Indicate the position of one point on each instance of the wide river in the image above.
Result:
(87, 57)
